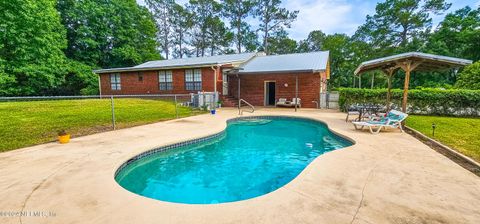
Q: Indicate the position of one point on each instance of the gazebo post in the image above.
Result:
(407, 69)
(389, 73)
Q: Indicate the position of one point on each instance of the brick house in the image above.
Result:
(262, 79)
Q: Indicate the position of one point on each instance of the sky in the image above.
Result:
(339, 16)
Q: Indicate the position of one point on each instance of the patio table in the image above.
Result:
(367, 109)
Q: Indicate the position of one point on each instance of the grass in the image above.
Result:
(461, 134)
(34, 122)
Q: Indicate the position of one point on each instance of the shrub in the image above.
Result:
(469, 78)
(453, 102)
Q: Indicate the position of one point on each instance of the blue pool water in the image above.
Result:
(253, 157)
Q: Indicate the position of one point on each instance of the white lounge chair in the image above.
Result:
(297, 101)
(282, 102)
(393, 119)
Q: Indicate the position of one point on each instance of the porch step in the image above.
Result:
(229, 101)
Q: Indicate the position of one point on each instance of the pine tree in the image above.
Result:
(236, 11)
(273, 19)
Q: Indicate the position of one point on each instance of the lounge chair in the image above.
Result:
(393, 119)
(282, 102)
(297, 101)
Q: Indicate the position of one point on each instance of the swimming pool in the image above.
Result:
(252, 157)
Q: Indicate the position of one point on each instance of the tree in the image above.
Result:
(345, 55)
(219, 36)
(273, 19)
(469, 78)
(236, 11)
(398, 23)
(32, 40)
(209, 30)
(113, 33)
(458, 35)
(280, 43)
(163, 12)
(205, 12)
(79, 79)
(182, 22)
(314, 42)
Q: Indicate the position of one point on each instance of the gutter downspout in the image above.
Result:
(99, 86)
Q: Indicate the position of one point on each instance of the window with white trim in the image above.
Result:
(165, 80)
(193, 79)
(115, 81)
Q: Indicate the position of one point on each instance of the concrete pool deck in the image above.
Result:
(386, 178)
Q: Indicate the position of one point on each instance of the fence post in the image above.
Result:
(176, 108)
(113, 112)
(204, 99)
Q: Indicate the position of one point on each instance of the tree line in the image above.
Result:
(50, 47)
(209, 27)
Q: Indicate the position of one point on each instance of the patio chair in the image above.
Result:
(352, 111)
(392, 119)
(282, 102)
(296, 101)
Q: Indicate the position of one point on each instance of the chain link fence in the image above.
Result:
(33, 120)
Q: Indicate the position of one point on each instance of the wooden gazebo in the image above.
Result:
(409, 62)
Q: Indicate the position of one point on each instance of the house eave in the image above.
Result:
(281, 72)
(134, 69)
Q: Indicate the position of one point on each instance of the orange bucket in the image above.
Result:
(63, 139)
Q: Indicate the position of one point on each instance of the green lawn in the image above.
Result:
(461, 134)
(35, 122)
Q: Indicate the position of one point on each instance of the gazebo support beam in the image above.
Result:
(389, 72)
(408, 67)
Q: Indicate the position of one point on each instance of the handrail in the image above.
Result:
(240, 111)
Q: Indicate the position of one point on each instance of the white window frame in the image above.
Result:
(115, 81)
(165, 80)
(193, 79)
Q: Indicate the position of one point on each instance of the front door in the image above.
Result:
(225, 84)
(269, 93)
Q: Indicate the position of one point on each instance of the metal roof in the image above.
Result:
(429, 62)
(185, 62)
(301, 62)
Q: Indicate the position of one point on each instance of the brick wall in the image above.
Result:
(253, 87)
(130, 83)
